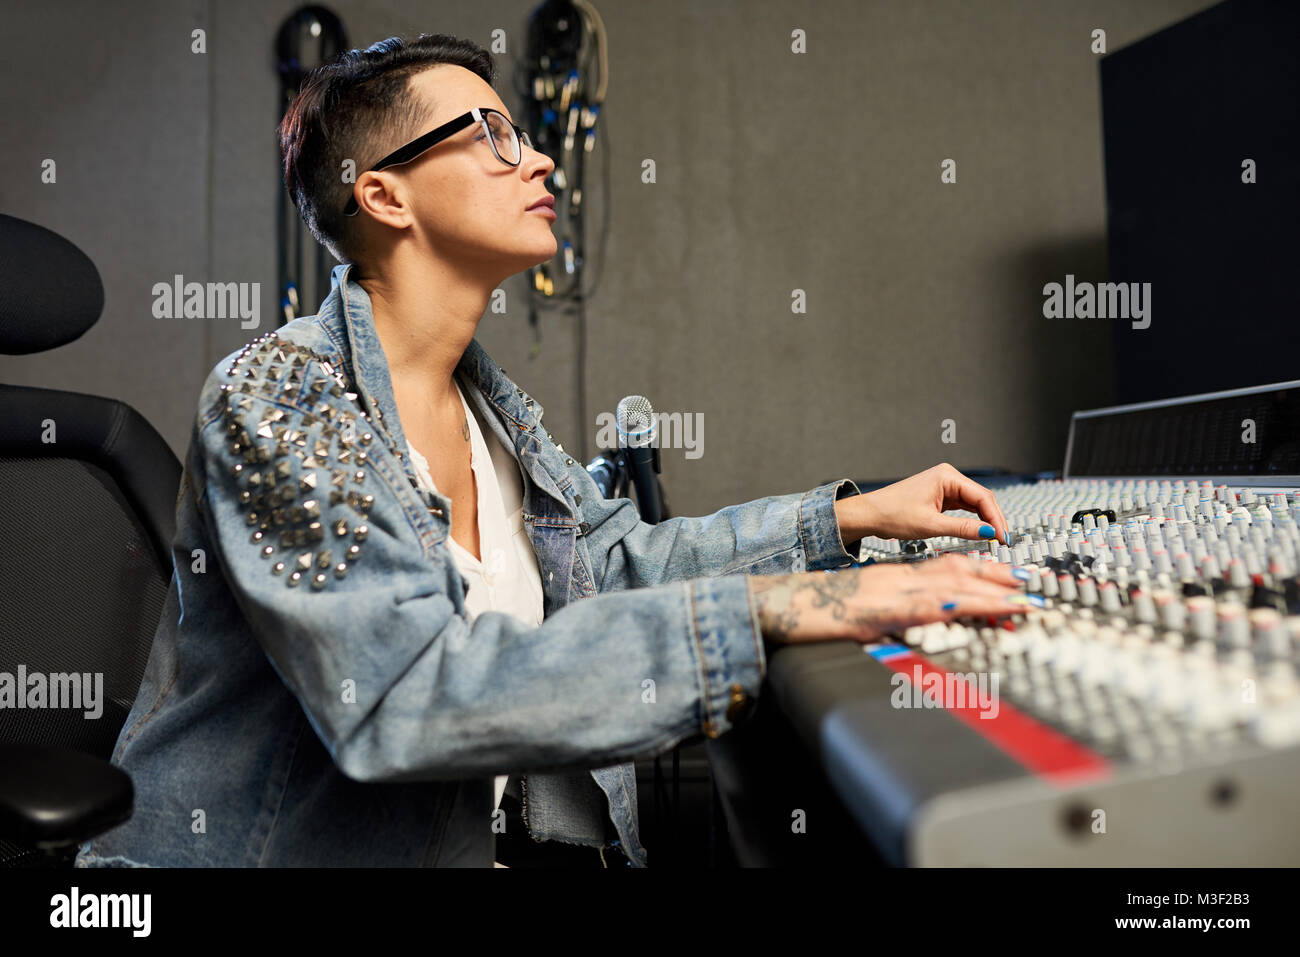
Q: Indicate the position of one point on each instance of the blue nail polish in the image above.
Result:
(986, 531)
(1021, 573)
(949, 605)
(1038, 601)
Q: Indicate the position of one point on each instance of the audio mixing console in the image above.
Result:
(1148, 713)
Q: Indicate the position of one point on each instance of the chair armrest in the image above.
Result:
(53, 797)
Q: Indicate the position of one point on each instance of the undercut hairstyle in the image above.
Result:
(358, 106)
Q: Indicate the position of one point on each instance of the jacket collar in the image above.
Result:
(347, 318)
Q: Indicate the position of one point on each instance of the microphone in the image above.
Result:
(604, 470)
(637, 441)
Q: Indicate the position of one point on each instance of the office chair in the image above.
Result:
(87, 515)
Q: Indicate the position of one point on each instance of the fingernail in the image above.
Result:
(1021, 573)
(949, 605)
(986, 531)
(1038, 601)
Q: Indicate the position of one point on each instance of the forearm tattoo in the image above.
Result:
(784, 601)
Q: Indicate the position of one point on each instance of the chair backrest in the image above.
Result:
(87, 515)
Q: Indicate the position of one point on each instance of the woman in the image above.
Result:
(391, 588)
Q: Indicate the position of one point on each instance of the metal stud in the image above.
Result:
(277, 372)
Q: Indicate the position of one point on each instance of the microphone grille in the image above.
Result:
(636, 422)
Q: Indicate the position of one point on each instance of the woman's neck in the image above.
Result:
(424, 323)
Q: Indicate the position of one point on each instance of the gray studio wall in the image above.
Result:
(775, 172)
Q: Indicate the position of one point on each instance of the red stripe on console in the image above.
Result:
(1040, 748)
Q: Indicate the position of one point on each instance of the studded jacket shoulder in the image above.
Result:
(296, 439)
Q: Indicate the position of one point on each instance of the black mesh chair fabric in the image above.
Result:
(86, 521)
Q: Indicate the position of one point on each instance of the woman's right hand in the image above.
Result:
(864, 604)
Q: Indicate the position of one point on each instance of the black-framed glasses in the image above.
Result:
(506, 138)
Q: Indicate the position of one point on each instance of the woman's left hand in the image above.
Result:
(914, 508)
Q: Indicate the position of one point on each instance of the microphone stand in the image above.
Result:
(612, 475)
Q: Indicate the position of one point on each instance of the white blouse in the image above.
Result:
(507, 579)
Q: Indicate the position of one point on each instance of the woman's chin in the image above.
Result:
(545, 254)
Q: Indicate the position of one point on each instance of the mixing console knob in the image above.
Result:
(1109, 595)
(1234, 630)
(1144, 609)
(1173, 613)
(1087, 591)
(1049, 584)
(1200, 610)
(1269, 632)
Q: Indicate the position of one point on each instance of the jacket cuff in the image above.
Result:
(726, 635)
(819, 532)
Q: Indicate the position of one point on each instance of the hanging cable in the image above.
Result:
(562, 82)
(307, 38)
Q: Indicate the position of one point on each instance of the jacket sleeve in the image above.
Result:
(394, 679)
(774, 535)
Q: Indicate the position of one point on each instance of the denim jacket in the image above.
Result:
(316, 694)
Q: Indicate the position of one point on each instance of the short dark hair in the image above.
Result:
(355, 106)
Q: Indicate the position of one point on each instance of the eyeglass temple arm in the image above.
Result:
(413, 149)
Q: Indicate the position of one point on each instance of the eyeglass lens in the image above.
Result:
(504, 140)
